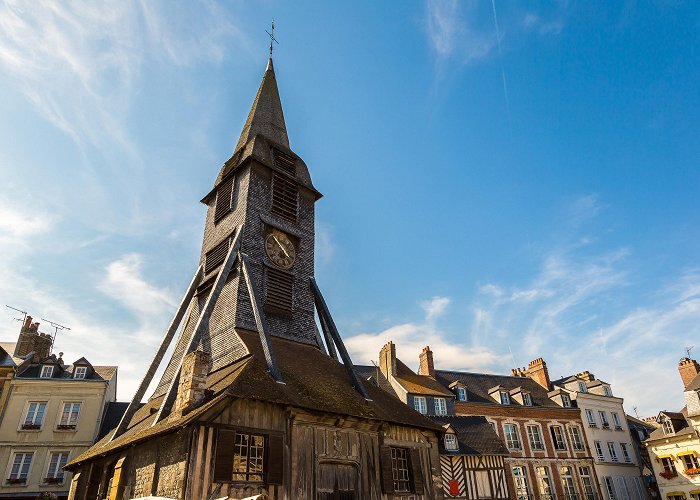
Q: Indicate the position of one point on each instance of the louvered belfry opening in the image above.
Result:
(215, 257)
(224, 195)
(279, 290)
(284, 162)
(285, 196)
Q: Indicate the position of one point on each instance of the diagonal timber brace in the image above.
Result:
(329, 329)
(202, 322)
(155, 363)
(260, 321)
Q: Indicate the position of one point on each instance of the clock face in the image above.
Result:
(280, 250)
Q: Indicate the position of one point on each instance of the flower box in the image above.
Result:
(16, 480)
(668, 474)
(693, 471)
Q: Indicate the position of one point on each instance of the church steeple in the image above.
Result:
(266, 116)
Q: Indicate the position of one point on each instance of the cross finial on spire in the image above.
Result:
(271, 33)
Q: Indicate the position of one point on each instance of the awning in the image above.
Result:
(665, 456)
(694, 492)
(686, 453)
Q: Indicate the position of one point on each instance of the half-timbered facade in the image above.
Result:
(255, 399)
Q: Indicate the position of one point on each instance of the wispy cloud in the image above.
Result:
(434, 307)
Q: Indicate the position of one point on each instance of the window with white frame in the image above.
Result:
(591, 418)
(512, 436)
(566, 401)
(668, 426)
(462, 393)
(606, 390)
(34, 415)
(400, 470)
(690, 461)
(505, 397)
(69, 416)
(603, 419)
(535, 437)
(545, 483)
(567, 482)
(522, 491)
(625, 453)
(613, 451)
(558, 437)
(46, 371)
(616, 420)
(582, 386)
(80, 372)
(57, 460)
(600, 455)
(419, 404)
(576, 440)
(610, 487)
(669, 465)
(440, 406)
(19, 471)
(527, 399)
(588, 488)
(451, 442)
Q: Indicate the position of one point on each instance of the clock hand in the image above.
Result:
(280, 245)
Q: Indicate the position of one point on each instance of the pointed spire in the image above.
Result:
(266, 116)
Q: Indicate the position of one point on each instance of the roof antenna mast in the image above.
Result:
(20, 311)
(56, 327)
(688, 349)
(271, 34)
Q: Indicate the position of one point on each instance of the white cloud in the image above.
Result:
(434, 307)
(18, 225)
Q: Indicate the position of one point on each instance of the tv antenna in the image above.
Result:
(688, 349)
(20, 311)
(56, 328)
(271, 33)
(635, 411)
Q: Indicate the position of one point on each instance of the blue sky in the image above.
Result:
(499, 190)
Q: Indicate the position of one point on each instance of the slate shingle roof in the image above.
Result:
(419, 384)
(474, 435)
(365, 372)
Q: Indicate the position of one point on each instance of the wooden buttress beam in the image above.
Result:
(324, 312)
(158, 358)
(326, 336)
(202, 322)
(260, 321)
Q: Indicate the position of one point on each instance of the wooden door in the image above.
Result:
(337, 481)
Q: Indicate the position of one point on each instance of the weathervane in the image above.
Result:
(271, 33)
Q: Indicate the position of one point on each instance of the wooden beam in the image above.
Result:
(326, 336)
(260, 321)
(327, 320)
(158, 358)
(202, 323)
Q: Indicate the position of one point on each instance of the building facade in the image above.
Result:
(674, 447)
(608, 436)
(51, 414)
(640, 431)
(253, 400)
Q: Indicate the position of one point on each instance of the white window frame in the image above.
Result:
(576, 442)
(59, 473)
(10, 465)
(522, 489)
(534, 434)
(582, 386)
(544, 482)
(80, 372)
(59, 419)
(565, 401)
(23, 420)
(668, 426)
(46, 371)
(440, 405)
(527, 399)
(587, 482)
(512, 444)
(590, 417)
(600, 453)
(462, 393)
(613, 452)
(420, 405)
(610, 487)
(625, 453)
(451, 443)
(616, 420)
(566, 473)
(604, 423)
(504, 397)
(562, 437)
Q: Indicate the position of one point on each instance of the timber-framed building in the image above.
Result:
(255, 399)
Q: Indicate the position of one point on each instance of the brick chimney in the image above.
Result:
(31, 340)
(537, 371)
(519, 372)
(193, 380)
(688, 368)
(387, 360)
(426, 367)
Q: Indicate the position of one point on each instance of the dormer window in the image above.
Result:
(668, 426)
(461, 393)
(565, 401)
(505, 397)
(607, 391)
(46, 371)
(527, 399)
(80, 372)
(582, 386)
(451, 442)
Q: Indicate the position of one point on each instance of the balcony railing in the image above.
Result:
(66, 427)
(29, 426)
(16, 480)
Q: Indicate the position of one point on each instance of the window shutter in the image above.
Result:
(275, 459)
(223, 199)
(387, 475)
(417, 472)
(223, 462)
(284, 197)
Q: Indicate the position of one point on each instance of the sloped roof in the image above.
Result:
(474, 435)
(479, 384)
(680, 424)
(365, 372)
(112, 415)
(419, 384)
